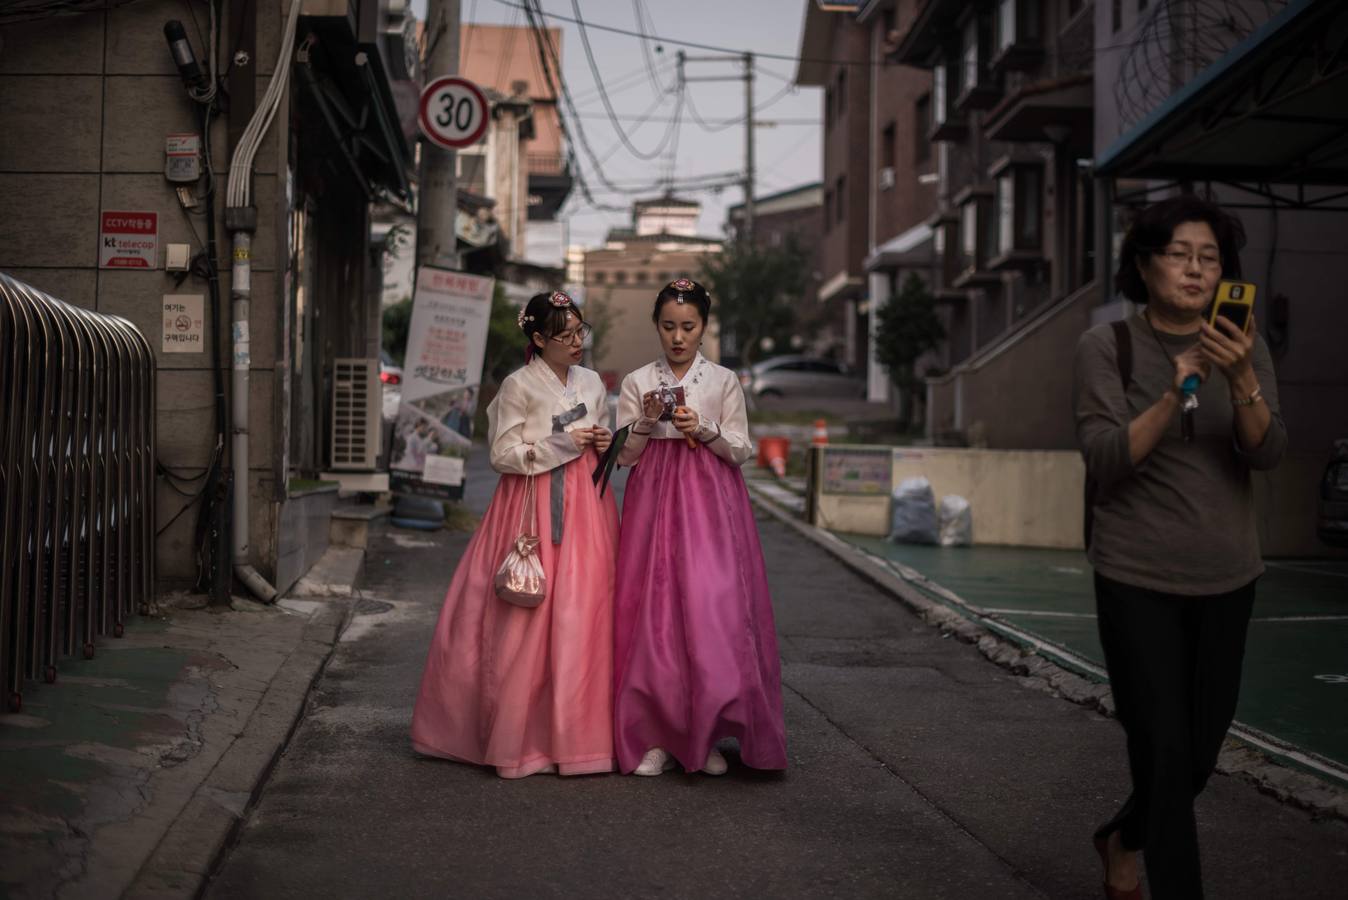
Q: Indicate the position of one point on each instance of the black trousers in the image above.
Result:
(1174, 668)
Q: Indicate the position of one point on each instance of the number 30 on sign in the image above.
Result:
(453, 112)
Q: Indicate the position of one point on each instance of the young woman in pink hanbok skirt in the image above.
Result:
(695, 652)
(528, 690)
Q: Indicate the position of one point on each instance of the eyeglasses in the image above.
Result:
(1177, 258)
(579, 335)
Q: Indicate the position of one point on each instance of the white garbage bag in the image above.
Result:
(957, 522)
(914, 517)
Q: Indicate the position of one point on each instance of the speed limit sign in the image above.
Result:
(453, 112)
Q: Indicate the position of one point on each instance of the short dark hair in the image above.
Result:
(543, 317)
(683, 290)
(1154, 228)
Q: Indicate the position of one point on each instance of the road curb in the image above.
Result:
(198, 839)
(1240, 758)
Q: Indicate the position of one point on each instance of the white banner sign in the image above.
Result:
(442, 374)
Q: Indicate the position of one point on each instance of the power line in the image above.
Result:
(694, 44)
(642, 118)
(723, 124)
(646, 23)
(567, 109)
(608, 104)
(785, 57)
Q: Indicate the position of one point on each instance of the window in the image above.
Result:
(888, 147)
(664, 277)
(828, 209)
(1116, 14)
(842, 91)
(1016, 21)
(620, 278)
(839, 193)
(977, 235)
(599, 277)
(970, 56)
(828, 107)
(938, 95)
(969, 234)
(1020, 209)
(922, 115)
(1006, 24)
(641, 277)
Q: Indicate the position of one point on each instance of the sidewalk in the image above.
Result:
(917, 769)
(126, 777)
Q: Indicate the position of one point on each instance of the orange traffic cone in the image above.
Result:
(773, 451)
(820, 438)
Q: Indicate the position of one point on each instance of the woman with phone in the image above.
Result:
(695, 657)
(527, 690)
(1173, 412)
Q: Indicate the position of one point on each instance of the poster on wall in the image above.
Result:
(442, 375)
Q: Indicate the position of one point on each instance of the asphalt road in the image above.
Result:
(918, 769)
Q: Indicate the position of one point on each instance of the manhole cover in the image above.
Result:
(367, 607)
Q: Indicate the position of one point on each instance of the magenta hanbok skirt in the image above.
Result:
(695, 656)
(522, 689)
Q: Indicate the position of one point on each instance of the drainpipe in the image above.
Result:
(242, 222)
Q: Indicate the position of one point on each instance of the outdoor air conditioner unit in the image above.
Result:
(886, 178)
(356, 409)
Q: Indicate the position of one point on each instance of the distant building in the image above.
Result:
(506, 60)
(623, 277)
(793, 214)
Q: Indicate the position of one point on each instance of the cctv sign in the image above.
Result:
(128, 240)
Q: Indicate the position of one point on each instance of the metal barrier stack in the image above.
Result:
(77, 459)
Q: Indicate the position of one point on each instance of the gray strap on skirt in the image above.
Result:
(558, 502)
(558, 489)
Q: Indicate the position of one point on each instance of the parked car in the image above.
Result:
(802, 376)
(391, 376)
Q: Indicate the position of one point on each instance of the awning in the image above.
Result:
(1270, 112)
(1057, 111)
(912, 248)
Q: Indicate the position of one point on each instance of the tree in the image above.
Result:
(505, 340)
(756, 292)
(908, 327)
(396, 320)
(600, 314)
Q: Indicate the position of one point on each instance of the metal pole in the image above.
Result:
(749, 146)
(437, 201)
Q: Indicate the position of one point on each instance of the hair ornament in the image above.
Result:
(560, 299)
(682, 286)
(523, 319)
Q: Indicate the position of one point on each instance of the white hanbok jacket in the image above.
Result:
(522, 417)
(711, 391)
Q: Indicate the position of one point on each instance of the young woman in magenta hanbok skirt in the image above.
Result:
(528, 690)
(695, 652)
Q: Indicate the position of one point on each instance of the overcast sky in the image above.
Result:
(787, 155)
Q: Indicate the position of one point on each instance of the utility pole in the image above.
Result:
(749, 147)
(747, 59)
(437, 195)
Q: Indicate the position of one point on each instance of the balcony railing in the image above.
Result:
(77, 474)
(548, 164)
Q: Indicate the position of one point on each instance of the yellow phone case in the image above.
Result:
(1234, 294)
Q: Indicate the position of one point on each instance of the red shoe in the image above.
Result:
(1111, 892)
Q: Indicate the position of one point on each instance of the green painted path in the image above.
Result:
(1295, 686)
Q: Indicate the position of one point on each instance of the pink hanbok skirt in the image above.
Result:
(695, 656)
(522, 689)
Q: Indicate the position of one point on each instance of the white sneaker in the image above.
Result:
(655, 762)
(716, 764)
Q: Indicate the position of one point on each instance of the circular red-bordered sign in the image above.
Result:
(453, 112)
